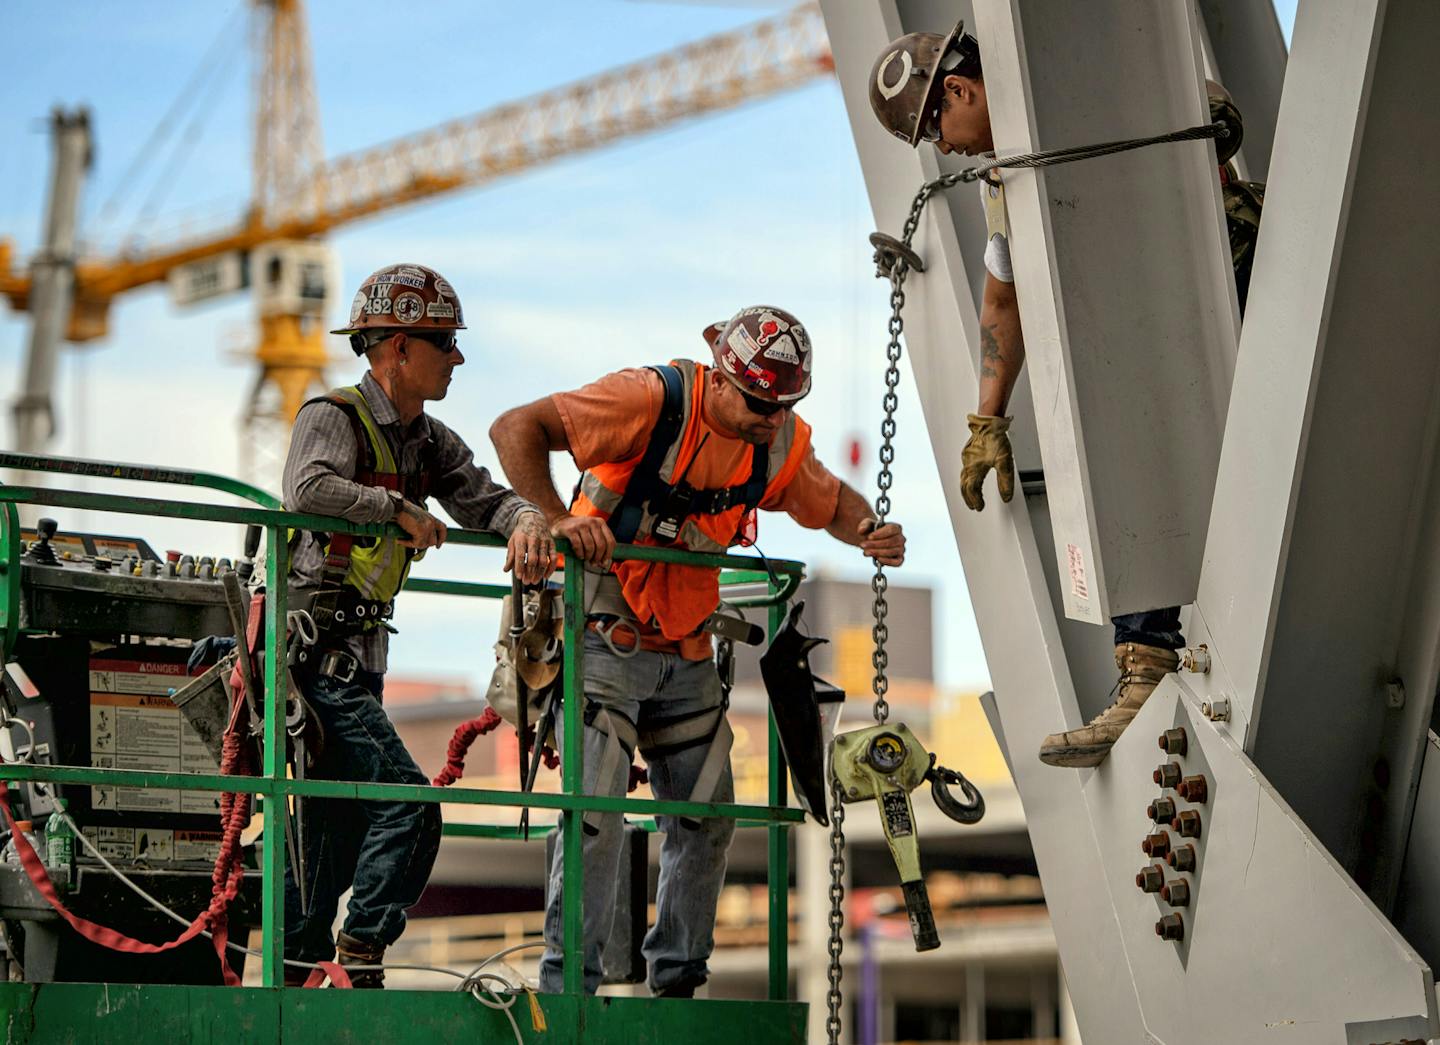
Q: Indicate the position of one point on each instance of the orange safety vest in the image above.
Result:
(678, 599)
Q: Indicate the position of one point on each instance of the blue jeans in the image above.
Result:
(383, 849)
(692, 860)
(1151, 628)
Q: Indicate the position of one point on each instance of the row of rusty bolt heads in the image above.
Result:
(1186, 823)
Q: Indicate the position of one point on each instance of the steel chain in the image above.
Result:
(837, 909)
(896, 268)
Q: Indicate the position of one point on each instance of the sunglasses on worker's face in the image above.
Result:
(445, 342)
(763, 407)
(930, 127)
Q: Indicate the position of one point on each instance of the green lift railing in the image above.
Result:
(780, 577)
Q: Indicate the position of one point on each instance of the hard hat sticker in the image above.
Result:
(783, 350)
(404, 278)
(770, 326)
(742, 343)
(408, 307)
(443, 288)
(439, 310)
(358, 305)
(888, 91)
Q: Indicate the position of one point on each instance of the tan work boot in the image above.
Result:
(1141, 669)
(358, 952)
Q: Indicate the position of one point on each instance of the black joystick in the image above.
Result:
(246, 565)
(41, 551)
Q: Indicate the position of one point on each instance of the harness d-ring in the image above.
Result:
(606, 633)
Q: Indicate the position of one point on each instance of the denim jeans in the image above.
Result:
(1151, 628)
(383, 849)
(692, 860)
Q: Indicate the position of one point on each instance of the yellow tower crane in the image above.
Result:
(298, 196)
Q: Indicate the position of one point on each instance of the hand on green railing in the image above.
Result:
(424, 529)
(531, 551)
(589, 536)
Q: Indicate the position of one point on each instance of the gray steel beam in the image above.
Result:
(1016, 613)
(1321, 584)
(1248, 51)
(53, 280)
(1126, 296)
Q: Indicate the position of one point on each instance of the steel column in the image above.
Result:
(1002, 561)
(1126, 295)
(1321, 587)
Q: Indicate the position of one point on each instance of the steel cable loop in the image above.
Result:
(1054, 157)
(834, 997)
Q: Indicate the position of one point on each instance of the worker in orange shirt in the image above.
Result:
(679, 455)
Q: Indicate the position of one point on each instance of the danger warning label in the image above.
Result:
(134, 725)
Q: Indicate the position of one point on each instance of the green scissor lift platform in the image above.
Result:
(116, 1012)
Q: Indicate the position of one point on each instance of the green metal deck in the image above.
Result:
(107, 1014)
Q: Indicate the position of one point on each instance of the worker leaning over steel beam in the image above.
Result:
(369, 453)
(928, 87)
(681, 455)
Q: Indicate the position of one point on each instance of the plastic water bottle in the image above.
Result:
(27, 829)
(59, 842)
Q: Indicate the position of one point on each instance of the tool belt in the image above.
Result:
(342, 612)
(606, 609)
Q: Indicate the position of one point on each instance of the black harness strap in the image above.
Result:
(645, 481)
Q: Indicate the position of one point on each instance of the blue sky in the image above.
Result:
(610, 258)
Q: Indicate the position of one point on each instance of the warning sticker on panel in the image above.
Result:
(154, 844)
(1079, 587)
(134, 725)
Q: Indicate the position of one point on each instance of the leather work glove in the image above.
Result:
(989, 447)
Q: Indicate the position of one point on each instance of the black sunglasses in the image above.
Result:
(446, 342)
(763, 407)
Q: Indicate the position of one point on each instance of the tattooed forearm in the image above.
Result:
(1002, 347)
(990, 356)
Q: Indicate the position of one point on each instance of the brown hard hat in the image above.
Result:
(765, 353)
(906, 82)
(404, 297)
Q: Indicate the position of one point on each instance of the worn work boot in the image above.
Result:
(1141, 669)
(358, 952)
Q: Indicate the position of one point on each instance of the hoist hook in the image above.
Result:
(970, 811)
